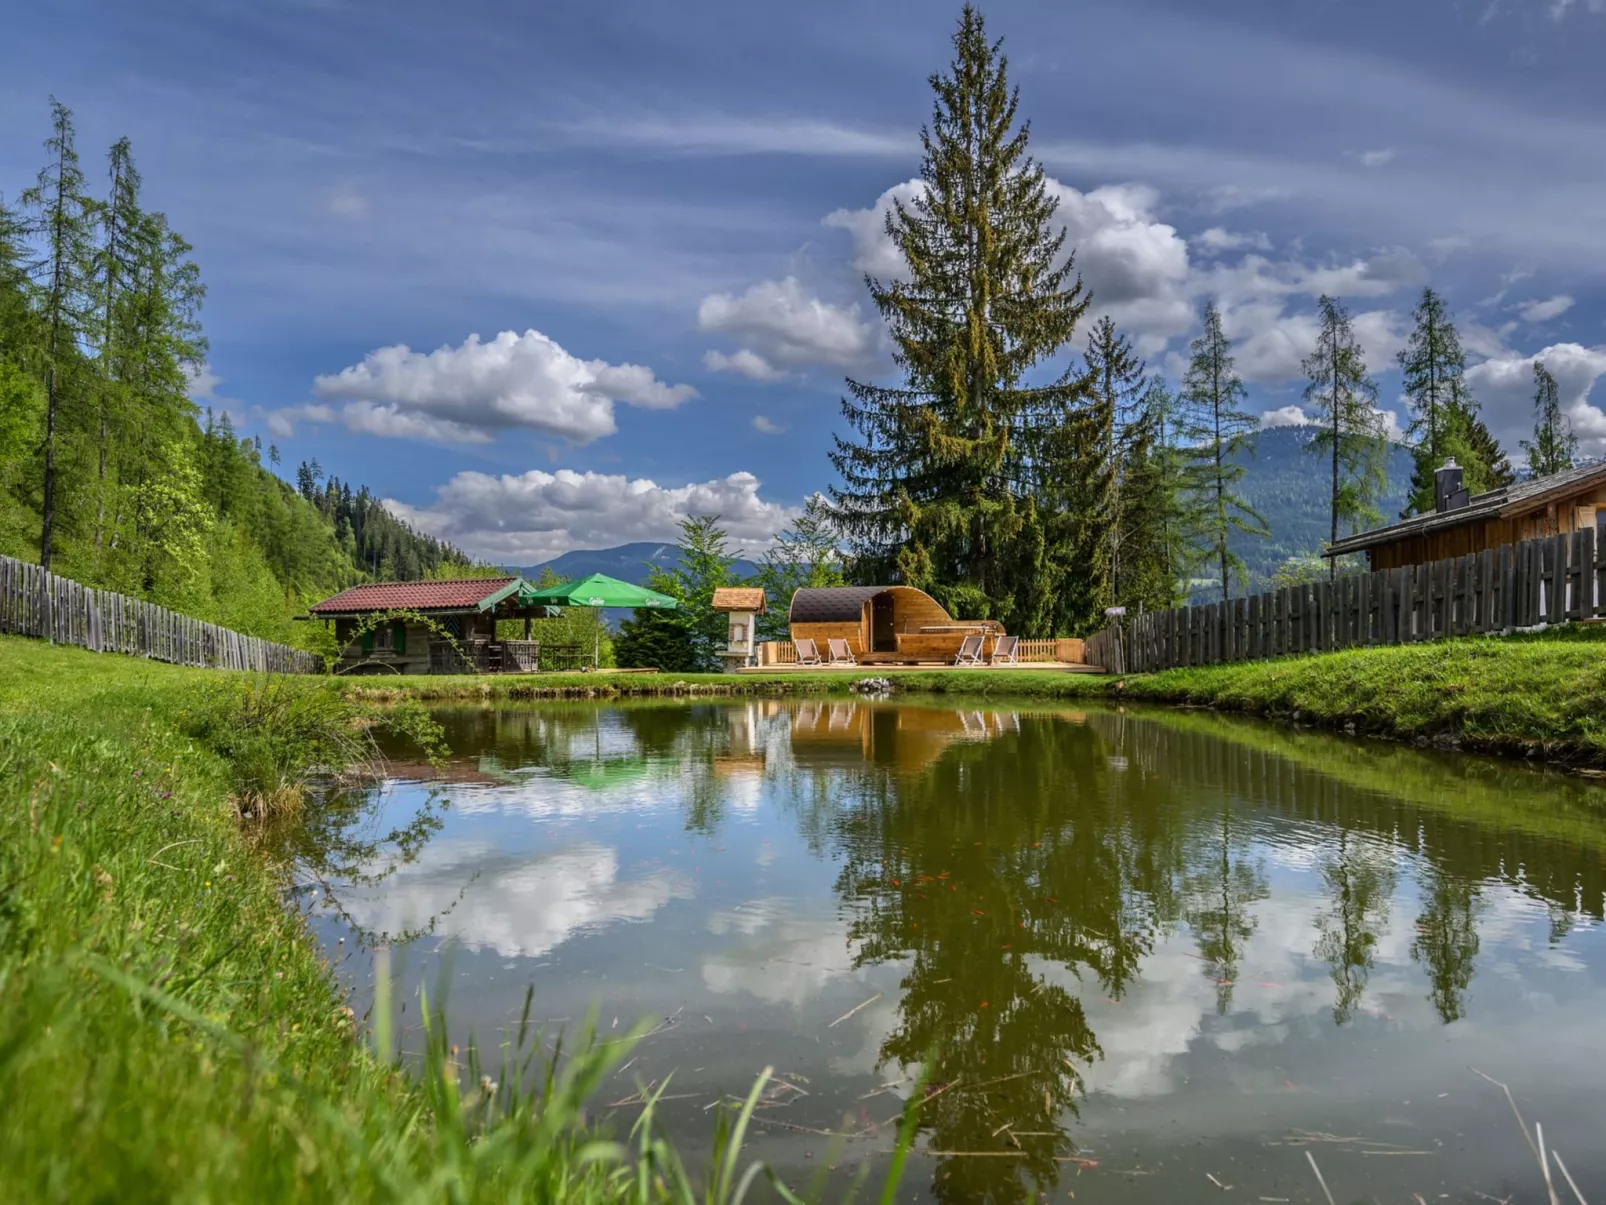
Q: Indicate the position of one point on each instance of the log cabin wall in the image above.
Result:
(1561, 517)
(856, 634)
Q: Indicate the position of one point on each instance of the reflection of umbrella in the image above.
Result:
(597, 776)
(598, 590)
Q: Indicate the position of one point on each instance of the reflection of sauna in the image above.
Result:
(847, 735)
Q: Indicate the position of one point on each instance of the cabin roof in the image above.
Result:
(832, 604)
(738, 598)
(1503, 503)
(459, 594)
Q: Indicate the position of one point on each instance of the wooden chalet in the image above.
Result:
(1562, 503)
(885, 624)
(464, 609)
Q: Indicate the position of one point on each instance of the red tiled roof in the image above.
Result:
(454, 595)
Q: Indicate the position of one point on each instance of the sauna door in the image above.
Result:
(883, 629)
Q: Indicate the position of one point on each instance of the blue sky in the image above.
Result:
(552, 275)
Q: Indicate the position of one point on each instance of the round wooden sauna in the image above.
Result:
(886, 624)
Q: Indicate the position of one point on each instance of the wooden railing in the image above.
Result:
(1552, 580)
(1050, 651)
(44, 605)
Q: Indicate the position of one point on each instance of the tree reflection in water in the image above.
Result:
(1018, 867)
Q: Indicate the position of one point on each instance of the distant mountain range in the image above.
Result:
(1284, 482)
(628, 562)
(1290, 487)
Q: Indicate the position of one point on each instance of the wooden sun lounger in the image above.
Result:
(808, 652)
(841, 653)
(969, 651)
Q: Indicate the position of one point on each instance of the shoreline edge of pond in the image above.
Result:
(1537, 697)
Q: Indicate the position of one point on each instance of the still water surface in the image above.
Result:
(1146, 955)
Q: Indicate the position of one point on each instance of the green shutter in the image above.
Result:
(368, 642)
(398, 638)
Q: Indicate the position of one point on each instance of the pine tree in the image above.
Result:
(115, 270)
(1350, 428)
(1489, 468)
(805, 555)
(938, 487)
(1117, 378)
(1217, 433)
(1441, 411)
(1554, 444)
(63, 223)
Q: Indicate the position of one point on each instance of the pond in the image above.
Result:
(1143, 957)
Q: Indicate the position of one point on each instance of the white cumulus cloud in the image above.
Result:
(526, 518)
(1284, 416)
(468, 393)
(782, 326)
(1505, 388)
(1378, 158)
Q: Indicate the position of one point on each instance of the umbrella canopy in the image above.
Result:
(598, 590)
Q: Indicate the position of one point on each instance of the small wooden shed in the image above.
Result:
(883, 623)
(744, 604)
(465, 609)
(1545, 506)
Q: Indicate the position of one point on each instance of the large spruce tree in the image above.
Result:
(1217, 433)
(1554, 444)
(1349, 432)
(941, 485)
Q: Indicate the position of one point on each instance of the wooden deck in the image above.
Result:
(871, 667)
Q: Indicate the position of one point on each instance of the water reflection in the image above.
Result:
(1163, 935)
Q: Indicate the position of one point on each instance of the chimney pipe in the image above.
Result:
(1448, 492)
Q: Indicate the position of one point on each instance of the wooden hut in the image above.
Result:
(465, 609)
(887, 624)
(1461, 524)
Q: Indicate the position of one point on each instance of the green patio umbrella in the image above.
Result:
(598, 590)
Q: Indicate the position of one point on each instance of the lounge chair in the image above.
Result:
(969, 651)
(807, 652)
(1004, 650)
(841, 653)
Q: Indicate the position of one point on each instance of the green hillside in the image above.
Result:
(108, 471)
(1284, 482)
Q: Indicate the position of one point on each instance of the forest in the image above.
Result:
(109, 473)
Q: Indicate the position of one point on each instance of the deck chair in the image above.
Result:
(969, 651)
(807, 652)
(1004, 650)
(841, 653)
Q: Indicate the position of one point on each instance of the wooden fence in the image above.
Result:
(36, 603)
(1546, 581)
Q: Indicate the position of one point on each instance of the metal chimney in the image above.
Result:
(1448, 492)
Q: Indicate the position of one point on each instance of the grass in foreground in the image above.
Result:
(167, 1028)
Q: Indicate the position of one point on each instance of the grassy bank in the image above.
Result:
(1534, 696)
(168, 1030)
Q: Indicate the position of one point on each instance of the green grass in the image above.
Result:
(168, 1031)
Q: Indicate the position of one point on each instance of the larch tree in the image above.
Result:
(1116, 381)
(1554, 444)
(62, 224)
(940, 482)
(1217, 433)
(1433, 365)
(1350, 432)
(115, 270)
